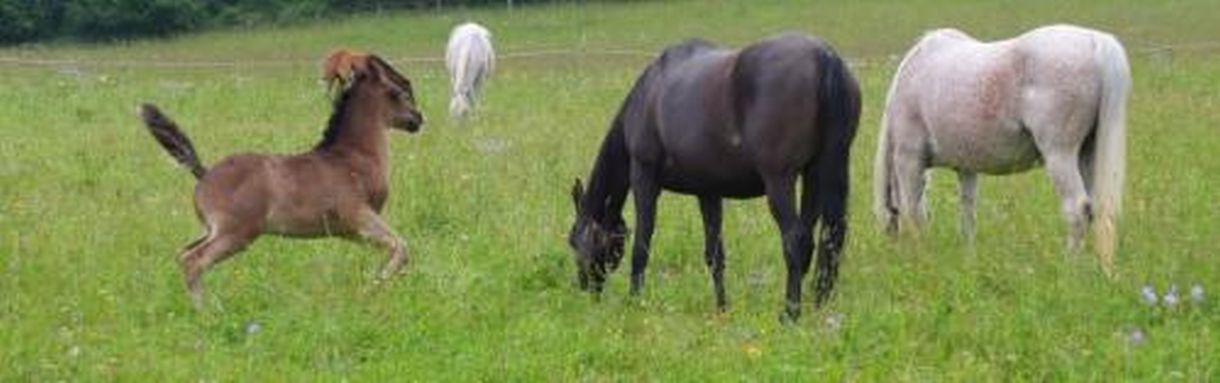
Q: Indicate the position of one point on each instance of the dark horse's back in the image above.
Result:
(718, 120)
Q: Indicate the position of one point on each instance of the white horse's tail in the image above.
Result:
(460, 104)
(1110, 145)
(884, 205)
(885, 193)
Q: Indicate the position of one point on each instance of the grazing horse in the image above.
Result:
(336, 189)
(470, 61)
(719, 123)
(1056, 95)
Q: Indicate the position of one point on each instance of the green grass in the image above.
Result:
(93, 213)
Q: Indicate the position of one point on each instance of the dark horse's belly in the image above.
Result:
(746, 186)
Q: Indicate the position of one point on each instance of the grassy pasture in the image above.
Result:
(93, 213)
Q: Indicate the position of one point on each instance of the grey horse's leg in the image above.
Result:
(1065, 173)
(968, 192)
(911, 174)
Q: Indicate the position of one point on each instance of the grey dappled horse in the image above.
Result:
(1056, 95)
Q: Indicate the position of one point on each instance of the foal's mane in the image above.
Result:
(338, 114)
(379, 68)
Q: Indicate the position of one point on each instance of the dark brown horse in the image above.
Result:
(336, 189)
(719, 123)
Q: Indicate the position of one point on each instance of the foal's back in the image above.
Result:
(300, 195)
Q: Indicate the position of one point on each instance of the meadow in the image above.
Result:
(93, 214)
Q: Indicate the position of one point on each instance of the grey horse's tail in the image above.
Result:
(838, 118)
(885, 193)
(466, 75)
(1110, 145)
(172, 139)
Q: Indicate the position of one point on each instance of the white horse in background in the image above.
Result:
(1056, 95)
(470, 61)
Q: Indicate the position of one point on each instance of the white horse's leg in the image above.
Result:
(967, 191)
(910, 172)
(1065, 172)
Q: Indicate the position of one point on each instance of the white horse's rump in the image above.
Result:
(470, 61)
(1056, 95)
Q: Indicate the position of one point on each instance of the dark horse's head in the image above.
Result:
(597, 241)
(360, 72)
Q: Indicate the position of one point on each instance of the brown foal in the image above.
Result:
(336, 189)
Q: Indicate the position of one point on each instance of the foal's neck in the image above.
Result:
(359, 130)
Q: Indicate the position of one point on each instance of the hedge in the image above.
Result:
(103, 20)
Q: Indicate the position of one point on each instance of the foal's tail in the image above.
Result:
(172, 139)
(1110, 146)
(838, 117)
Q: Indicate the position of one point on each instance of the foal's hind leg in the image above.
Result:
(968, 192)
(375, 230)
(215, 248)
(713, 247)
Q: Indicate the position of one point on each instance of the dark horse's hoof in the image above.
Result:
(791, 313)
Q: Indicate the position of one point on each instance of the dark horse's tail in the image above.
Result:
(172, 139)
(838, 116)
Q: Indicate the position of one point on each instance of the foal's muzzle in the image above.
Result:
(410, 121)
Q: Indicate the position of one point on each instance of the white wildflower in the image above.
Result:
(1171, 296)
(1149, 296)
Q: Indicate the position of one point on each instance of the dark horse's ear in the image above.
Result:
(578, 191)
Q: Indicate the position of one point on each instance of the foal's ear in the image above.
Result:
(387, 73)
(578, 191)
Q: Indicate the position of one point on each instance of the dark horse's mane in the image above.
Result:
(610, 177)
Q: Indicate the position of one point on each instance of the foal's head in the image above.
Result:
(374, 79)
(597, 242)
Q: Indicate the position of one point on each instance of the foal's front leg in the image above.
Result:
(645, 191)
(713, 246)
(375, 230)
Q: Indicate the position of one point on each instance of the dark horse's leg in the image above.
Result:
(645, 190)
(811, 210)
(713, 247)
(831, 181)
(795, 236)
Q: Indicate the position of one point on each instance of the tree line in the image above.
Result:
(102, 20)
